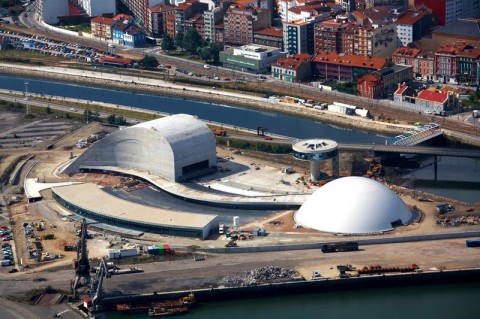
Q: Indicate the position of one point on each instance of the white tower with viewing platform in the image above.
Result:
(315, 151)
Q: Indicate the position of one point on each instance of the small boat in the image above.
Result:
(162, 311)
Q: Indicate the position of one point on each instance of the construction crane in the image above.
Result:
(82, 264)
(96, 287)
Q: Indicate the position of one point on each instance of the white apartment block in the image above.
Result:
(96, 8)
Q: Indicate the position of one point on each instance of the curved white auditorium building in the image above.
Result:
(176, 147)
(353, 205)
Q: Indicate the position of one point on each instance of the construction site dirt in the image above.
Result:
(204, 272)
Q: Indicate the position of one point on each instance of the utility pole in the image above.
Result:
(27, 99)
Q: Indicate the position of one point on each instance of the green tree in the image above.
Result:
(148, 62)
(205, 53)
(168, 44)
(179, 40)
(192, 41)
(48, 110)
(111, 119)
(120, 121)
(215, 49)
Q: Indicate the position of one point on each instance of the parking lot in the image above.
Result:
(35, 134)
(52, 47)
(7, 259)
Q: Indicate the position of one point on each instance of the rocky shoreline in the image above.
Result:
(190, 93)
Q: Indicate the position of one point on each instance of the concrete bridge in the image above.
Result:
(423, 150)
(416, 136)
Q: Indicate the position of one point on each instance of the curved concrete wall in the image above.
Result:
(161, 147)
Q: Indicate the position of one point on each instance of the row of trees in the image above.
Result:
(193, 43)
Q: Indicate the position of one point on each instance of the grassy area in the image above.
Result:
(347, 87)
(260, 146)
(84, 27)
(30, 57)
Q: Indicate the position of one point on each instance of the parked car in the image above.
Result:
(7, 238)
(206, 66)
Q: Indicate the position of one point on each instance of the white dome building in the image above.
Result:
(353, 205)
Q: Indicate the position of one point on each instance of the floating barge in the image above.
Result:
(159, 308)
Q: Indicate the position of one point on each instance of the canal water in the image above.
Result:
(446, 301)
(449, 169)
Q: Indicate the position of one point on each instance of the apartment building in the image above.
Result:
(240, 23)
(344, 67)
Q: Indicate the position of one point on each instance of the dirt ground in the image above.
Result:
(279, 226)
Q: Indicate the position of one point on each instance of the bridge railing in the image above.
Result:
(418, 135)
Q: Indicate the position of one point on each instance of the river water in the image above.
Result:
(446, 301)
(449, 169)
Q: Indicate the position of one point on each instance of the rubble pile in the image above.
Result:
(444, 221)
(257, 276)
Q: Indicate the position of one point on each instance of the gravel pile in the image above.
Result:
(257, 276)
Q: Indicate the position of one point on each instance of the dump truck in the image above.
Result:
(341, 246)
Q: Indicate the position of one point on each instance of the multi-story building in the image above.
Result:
(270, 37)
(329, 36)
(98, 7)
(250, 58)
(370, 85)
(424, 66)
(405, 56)
(456, 62)
(449, 11)
(339, 36)
(411, 27)
(292, 69)
(121, 24)
(139, 9)
(298, 35)
(196, 21)
(344, 67)
(134, 37)
(423, 61)
(394, 75)
(241, 22)
(211, 18)
(158, 16)
(50, 10)
(102, 27)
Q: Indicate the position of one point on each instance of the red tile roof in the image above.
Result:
(433, 96)
(161, 8)
(359, 15)
(370, 77)
(122, 17)
(410, 52)
(102, 20)
(293, 62)
(271, 31)
(350, 60)
(115, 60)
(410, 18)
(401, 89)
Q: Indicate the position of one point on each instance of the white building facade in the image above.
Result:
(96, 8)
(50, 10)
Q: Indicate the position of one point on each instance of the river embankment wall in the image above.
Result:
(144, 85)
(302, 286)
(215, 96)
